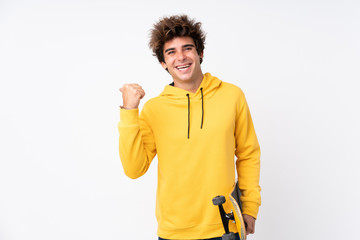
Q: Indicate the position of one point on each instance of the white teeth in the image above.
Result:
(183, 67)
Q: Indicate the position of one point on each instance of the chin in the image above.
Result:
(184, 79)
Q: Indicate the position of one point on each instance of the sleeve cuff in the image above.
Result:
(129, 116)
(250, 208)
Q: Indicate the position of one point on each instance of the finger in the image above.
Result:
(132, 88)
(138, 92)
(142, 93)
(133, 85)
(250, 229)
(137, 87)
(249, 224)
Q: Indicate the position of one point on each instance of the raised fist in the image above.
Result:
(131, 94)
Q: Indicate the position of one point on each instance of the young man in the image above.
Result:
(195, 126)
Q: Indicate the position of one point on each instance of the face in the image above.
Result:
(182, 60)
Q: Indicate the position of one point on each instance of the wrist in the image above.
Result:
(127, 108)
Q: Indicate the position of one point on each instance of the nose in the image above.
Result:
(181, 56)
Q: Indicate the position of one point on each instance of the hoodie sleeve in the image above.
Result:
(136, 143)
(248, 159)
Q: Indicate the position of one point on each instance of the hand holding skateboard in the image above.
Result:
(249, 223)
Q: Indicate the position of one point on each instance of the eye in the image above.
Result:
(171, 52)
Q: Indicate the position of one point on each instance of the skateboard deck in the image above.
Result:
(236, 208)
(234, 215)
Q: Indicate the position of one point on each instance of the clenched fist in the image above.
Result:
(131, 94)
(249, 223)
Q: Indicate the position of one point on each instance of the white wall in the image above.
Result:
(62, 63)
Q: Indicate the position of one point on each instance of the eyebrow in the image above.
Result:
(169, 49)
(188, 45)
(184, 46)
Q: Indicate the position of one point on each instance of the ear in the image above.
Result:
(163, 64)
(201, 55)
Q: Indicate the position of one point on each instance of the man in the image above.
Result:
(195, 126)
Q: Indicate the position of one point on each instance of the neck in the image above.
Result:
(191, 86)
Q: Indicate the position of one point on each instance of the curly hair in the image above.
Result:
(175, 26)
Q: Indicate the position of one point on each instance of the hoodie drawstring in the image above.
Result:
(202, 107)
(202, 111)
(188, 96)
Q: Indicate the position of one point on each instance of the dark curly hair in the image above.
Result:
(175, 26)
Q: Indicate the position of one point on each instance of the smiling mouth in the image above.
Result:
(183, 67)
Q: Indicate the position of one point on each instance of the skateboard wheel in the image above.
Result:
(218, 200)
(228, 236)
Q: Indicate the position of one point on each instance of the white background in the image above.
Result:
(62, 63)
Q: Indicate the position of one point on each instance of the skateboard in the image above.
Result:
(234, 215)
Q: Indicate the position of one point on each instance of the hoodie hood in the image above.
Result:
(209, 85)
(206, 90)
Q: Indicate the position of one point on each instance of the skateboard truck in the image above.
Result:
(225, 217)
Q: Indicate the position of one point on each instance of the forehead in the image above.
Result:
(178, 42)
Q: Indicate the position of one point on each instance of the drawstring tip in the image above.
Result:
(202, 108)
(188, 130)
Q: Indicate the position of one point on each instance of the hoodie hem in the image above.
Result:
(203, 231)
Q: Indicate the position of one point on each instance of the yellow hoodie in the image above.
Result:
(196, 137)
